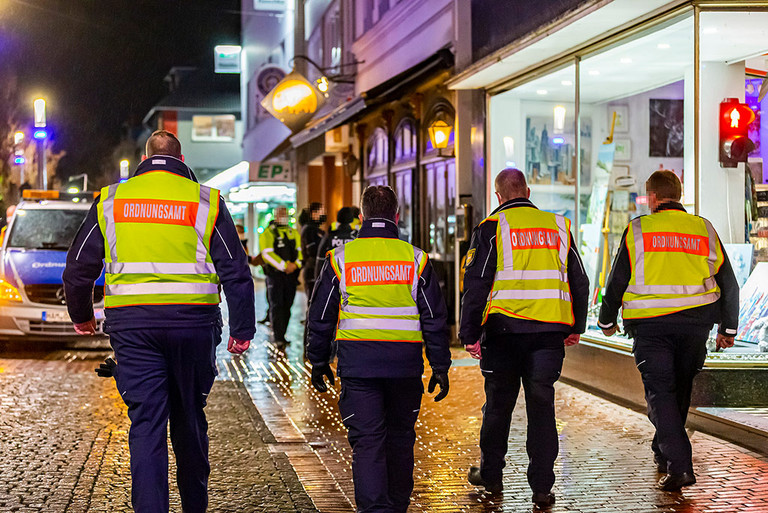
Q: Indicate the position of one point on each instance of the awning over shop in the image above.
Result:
(390, 90)
(596, 21)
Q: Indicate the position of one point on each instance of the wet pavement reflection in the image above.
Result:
(605, 461)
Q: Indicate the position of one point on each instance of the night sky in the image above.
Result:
(101, 63)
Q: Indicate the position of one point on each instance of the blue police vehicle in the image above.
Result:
(32, 259)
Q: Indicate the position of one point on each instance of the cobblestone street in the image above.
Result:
(277, 445)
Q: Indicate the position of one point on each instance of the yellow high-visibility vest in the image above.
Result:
(378, 282)
(157, 229)
(674, 257)
(531, 279)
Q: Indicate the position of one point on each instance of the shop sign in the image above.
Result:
(294, 100)
(271, 171)
(266, 79)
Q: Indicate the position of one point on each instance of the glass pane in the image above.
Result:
(451, 210)
(45, 229)
(440, 209)
(403, 191)
(430, 206)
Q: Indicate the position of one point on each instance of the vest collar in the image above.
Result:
(670, 205)
(379, 227)
(517, 202)
(165, 163)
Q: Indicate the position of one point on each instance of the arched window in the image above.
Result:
(378, 153)
(405, 141)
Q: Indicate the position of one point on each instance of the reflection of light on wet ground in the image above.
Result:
(604, 463)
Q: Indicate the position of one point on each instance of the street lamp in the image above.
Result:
(40, 134)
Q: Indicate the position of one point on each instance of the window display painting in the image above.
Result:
(547, 158)
(752, 98)
(740, 256)
(753, 308)
(666, 128)
(621, 126)
(623, 149)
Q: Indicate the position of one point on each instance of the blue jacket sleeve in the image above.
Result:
(479, 272)
(231, 265)
(434, 320)
(85, 261)
(322, 316)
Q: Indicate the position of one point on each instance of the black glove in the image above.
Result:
(107, 369)
(439, 378)
(318, 371)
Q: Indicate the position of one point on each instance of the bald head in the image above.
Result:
(163, 142)
(511, 184)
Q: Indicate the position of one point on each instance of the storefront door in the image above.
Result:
(440, 225)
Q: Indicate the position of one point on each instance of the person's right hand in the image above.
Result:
(236, 346)
(474, 350)
(107, 369)
(572, 339)
(610, 331)
(86, 328)
(723, 341)
(438, 378)
(290, 267)
(318, 373)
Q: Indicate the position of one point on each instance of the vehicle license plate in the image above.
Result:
(56, 316)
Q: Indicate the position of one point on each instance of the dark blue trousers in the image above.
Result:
(668, 363)
(380, 414)
(162, 375)
(535, 359)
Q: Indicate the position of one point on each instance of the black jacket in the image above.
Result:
(85, 261)
(331, 240)
(724, 311)
(479, 274)
(311, 234)
(376, 358)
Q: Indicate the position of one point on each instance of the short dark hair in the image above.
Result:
(665, 184)
(344, 216)
(163, 142)
(379, 201)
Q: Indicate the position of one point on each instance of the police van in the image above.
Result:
(32, 258)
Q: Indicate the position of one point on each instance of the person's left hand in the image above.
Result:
(610, 331)
(318, 373)
(724, 341)
(572, 339)
(438, 378)
(236, 346)
(107, 369)
(290, 267)
(474, 350)
(86, 328)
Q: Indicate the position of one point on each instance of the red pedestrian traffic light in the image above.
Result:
(735, 144)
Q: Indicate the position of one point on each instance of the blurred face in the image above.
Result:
(318, 214)
(281, 216)
(653, 201)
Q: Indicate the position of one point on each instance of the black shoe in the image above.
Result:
(543, 500)
(476, 479)
(661, 464)
(673, 482)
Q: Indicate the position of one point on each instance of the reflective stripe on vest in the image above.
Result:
(378, 297)
(531, 280)
(674, 257)
(157, 249)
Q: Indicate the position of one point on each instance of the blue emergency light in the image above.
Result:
(40, 134)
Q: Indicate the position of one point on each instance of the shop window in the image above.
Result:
(332, 38)
(404, 190)
(441, 209)
(213, 128)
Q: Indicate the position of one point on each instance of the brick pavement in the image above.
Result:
(605, 461)
(63, 444)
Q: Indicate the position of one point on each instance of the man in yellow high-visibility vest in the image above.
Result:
(525, 298)
(674, 282)
(167, 246)
(379, 299)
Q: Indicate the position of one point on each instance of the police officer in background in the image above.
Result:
(525, 298)
(281, 249)
(674, 282)
(339, 236)
(379, 298)
(311, 234)
(154, 237)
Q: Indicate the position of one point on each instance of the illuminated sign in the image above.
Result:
(227, 58)
(294, 100)
(275, 171)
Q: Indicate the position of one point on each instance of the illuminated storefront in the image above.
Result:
(609, 107)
